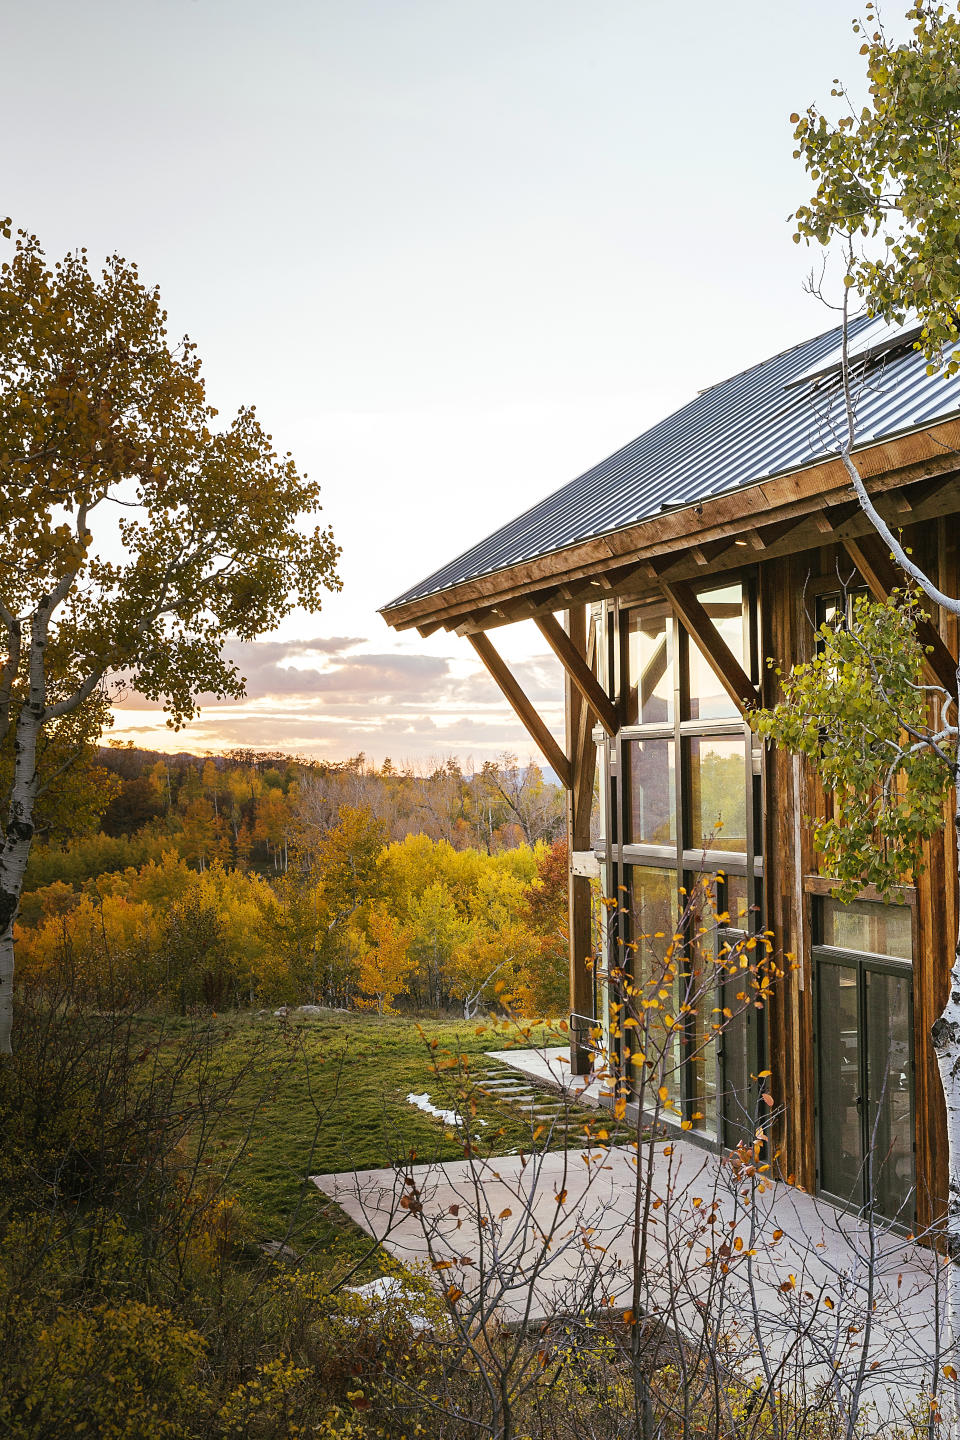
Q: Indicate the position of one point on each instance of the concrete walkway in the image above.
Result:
(728, 1254)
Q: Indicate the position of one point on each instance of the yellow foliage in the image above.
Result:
(120, 1372)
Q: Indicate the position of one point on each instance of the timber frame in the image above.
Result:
(791, 534)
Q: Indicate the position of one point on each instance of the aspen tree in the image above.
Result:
(135, 535)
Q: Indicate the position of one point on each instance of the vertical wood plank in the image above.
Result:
(578, 838)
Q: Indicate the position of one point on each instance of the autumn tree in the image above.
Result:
(545, 902)
(135, 535)
(385, 960)
(887, 204)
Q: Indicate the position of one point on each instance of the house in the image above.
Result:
(677, 566)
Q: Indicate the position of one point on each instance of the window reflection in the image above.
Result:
(650, 673)
(736, 903)
(656, 966)
(651, 766)
(868, 925)
(718, 794)
(708, 699)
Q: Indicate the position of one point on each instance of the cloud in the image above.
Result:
(329, 698)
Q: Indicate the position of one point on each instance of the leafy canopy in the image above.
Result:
(888, 175)
(146, 532)
(860, 714)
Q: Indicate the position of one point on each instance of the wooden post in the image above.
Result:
(582, 752)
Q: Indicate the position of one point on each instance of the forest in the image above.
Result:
(259, 879)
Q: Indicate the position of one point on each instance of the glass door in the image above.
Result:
(889, 1110)
(839, 1089)
(864, 1049)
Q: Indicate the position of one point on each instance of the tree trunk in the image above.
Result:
(946, 1043)
(14, 854)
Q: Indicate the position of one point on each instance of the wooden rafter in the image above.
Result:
(881, 573)
(911, 497)
(579, 672)
(524, 710)
(721, 659)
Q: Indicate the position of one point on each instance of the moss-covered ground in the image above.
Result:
(329, 1093)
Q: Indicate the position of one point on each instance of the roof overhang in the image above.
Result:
(778, 515)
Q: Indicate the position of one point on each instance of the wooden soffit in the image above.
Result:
(780, 515)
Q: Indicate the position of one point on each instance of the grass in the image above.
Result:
(329, 1094)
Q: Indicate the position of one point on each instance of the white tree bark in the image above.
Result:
(946, 1044)
(945, 1033)
(15, 848)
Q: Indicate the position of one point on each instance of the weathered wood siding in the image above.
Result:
(787, 589)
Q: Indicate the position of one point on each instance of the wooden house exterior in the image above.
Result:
(664, 580)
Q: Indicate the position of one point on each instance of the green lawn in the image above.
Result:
(329, 1094)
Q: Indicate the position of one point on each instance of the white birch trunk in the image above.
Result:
(15, 852)
(946, 1044)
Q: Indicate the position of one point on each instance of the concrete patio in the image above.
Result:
(527, 1237)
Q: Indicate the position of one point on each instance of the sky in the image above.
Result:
(455, 253)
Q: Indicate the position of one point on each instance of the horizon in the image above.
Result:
(455, 258)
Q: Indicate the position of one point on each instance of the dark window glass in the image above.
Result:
(651, 769)
(841, 1129)
(718, 809)
(889, 1120)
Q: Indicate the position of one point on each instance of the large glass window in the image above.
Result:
(708, 699)
(718, 793)
(687, 792)
(650, 672)
(864, 1016)
(656, 968)
(652, 817)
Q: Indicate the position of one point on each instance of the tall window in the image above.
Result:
(688, 818)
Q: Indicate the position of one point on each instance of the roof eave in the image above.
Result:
(899, 459)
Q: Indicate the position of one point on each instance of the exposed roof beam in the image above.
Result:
(580, 675)
(523, 709)
(912, 496)
(883, 575)
(721, 659)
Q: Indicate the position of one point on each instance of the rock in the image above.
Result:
(277, 1250)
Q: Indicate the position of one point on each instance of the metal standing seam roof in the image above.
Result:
(746, 429)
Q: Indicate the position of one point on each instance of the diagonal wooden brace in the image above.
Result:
(883, 575)
(721, 659)
(522, 707)
(580, 673)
